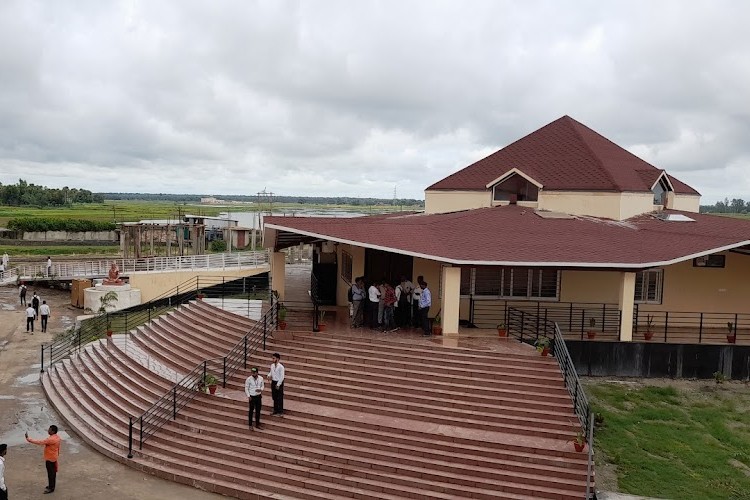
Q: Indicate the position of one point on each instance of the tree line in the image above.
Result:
(307, 200)
(24, 194)
(41, 224)
(733, 206)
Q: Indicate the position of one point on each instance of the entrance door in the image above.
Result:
(386, 265)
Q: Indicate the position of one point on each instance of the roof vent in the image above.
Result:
(674, 217)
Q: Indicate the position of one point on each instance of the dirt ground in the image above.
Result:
(84, 473)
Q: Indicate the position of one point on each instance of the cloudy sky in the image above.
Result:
(353, 98)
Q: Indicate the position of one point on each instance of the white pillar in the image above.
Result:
(626, 304)
(450, 301)
(278, 268)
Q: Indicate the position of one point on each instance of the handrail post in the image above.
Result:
(700, 330)
(130, 437)
(265, 323)
(522, 325)
(140, 439)
(583, 320)
(204, 370)
(224, 384)
(42, 369)
(174, 402)
(666, 324)
(245, 342)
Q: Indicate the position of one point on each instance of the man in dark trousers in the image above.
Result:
(30, 317)
(425, 301)
(51, 454)
(276, 376)
(44, 312)
(254, 392)
(3, 486)
(35, 303)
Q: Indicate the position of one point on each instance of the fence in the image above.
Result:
(186, 262)
(220, 369)
(691, 327)
(94, 328)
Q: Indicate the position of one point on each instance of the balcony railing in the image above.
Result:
(690, 327)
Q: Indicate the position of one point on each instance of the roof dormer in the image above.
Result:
(514, 186)
(661, 189)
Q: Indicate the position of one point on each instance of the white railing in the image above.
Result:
(127, 266)
(8, 276)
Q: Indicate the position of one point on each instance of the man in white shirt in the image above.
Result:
(425, 301)
(3, 486)
(254, 393)
(6, 260)
(416, 294)
(276, 376)
(49, 266)
(30, 317)
(373, 299)
(44, 313)
(358, 297)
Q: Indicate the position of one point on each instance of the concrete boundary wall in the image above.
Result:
(70, 236)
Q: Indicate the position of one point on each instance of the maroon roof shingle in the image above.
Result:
(563, 155)
(513, 235)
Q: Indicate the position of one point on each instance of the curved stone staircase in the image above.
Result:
(367, 417)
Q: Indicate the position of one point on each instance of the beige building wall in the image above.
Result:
(436, 202)
(685, 202)
(590, 286)
(431, 270)
(153, 284)
(617, 206)
(449, 303)
(358, 269)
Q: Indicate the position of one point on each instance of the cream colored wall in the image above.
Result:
(617, 206)
(686, 202)
(358, 269)
(153, 284)
(450, 201)
(449, 302)
(590, 286)
(430, 270)
(701, 289)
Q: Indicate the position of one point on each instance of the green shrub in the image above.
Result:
(218, 246)
(41, 224)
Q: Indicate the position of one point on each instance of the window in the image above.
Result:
(710, 261)
(346, 266)
(648, 286)
(510, 282)
(660, 191)
(515, 186)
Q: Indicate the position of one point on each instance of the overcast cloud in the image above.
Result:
(353, 98)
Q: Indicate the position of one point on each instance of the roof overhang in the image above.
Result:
(513, 171)
(314, 236)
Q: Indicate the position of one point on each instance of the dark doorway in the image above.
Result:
(325, 269)
(391, 266)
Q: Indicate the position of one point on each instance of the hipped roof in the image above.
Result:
(517, 236)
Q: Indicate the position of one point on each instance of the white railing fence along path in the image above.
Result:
(186, 262)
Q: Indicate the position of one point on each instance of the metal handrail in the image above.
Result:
(590, 464)
(167, 406)
(124, 320)
(314, 296)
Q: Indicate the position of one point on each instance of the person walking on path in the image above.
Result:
(30, 317)
(358, 296)
(425, 301)
(3, 486)
(35, 303)
(254, 393)
(44, 312)
(51, 455)
(49, 266)
(276, 376)
(22, 294)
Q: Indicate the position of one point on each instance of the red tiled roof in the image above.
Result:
(513, 235)
(563, 155)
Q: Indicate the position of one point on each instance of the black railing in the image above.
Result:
(220, 369)
(690, 327)
(315, 297)
(573, 317)
(96, 327)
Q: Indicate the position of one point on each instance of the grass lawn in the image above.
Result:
(675, 439)
(15, 250)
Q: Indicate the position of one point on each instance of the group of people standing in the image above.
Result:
(254, 386)
(390, 306)
(35, 309)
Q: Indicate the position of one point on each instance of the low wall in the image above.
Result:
(642, 359)
(70, 236)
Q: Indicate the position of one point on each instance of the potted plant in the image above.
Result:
(542, 345)
(321, 321)
(649, 321)
(501, 330)
(282, 317)
(732, 335)
(107, 301)
(591, 333)
(579, 442)
(200, 295)
(210, 381)
(436, 328)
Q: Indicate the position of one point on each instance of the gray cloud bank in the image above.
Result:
(354, 98)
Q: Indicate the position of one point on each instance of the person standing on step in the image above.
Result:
(3, 486)
(35, 303)
(22, 293)
(389, 306)
(30, 317)
(425, 301)
(415, 296)
(373, 303)
(358, 297)
(254, 392)
(51, 455)
(44, 313)
(276, 376)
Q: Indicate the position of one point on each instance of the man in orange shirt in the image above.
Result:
(51, 453)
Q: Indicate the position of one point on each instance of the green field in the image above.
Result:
(690, 441)
(52, 250)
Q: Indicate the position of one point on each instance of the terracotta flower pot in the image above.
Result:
(200, 296)
(109, 333)
(437, 330)
(212, 388)
(579, 446)
(591, 335)
(648, 335)
(545, 351)
(502, 332)
(282, 325)
(731, 339)
(321, 327)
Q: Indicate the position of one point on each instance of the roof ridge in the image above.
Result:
(591, 151)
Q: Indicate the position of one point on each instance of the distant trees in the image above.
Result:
(733, 206)
(41, 224)
(309, 200)
(24, 194)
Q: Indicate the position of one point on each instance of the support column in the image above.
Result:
(278, 269)
(626, 304)
(450, 301)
